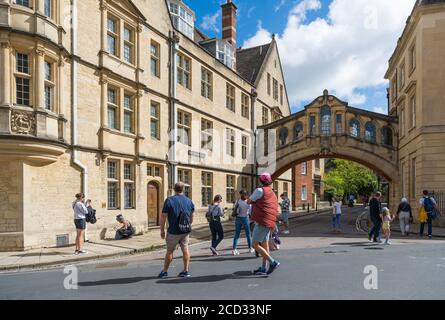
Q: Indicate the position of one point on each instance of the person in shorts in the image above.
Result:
(173, 207)
(80, 211)
(264, 213)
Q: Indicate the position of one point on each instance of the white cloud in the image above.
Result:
(211, 22)
(279, 5)
(250, 11)
(343, 52)
(380, 110)
(262, 36)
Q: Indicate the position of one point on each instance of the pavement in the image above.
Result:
(103, 249)
(316, 263)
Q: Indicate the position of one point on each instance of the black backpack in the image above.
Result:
(90, 217)
(184, 225)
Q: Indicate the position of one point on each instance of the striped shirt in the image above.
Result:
(285, 205)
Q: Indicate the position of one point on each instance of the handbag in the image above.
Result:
(422, 215)
(235, 210)
(209, 215)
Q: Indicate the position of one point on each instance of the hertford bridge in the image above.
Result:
(330, 128)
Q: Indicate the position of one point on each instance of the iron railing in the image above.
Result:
(439, 196)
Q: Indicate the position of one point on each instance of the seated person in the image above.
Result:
(126, 231)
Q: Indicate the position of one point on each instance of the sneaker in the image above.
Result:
(184, 274)
(273, 266)
(251, 250)
(215, 253)
(377, 241)
(235, 252)
(82, 252)
(286, 232)
(430, 237)
(76, 253)
(163, 275)
(387, 243)
(261, 271)
(370, 238)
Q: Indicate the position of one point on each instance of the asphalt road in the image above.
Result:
(316, 264)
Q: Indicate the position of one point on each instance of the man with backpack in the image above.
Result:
(429, 204)
(178, 210)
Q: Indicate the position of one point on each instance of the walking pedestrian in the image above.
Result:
(214, 215)
(336, 216)
(264, 213)
(387, 219)
(375, 210)
(178, 210)
(428, 204)
(285, 208)
(242, 221)
(80, 212)
(405, 214)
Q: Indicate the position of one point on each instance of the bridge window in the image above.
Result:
(284, 133)
(312, 126)
(325, 114)
(387, 136)
(354, 128)
(370, 133)
(338, 124)
(298, 133)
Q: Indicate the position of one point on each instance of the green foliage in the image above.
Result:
(348, 177)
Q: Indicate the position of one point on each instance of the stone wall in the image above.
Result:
(11, 195)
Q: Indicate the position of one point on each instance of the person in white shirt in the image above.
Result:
(80, 211)
(242, 212)
(336, 215)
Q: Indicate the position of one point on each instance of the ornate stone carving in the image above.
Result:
(23, 122)
(4, 45)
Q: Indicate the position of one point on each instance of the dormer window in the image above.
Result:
(224, 53)
(183, 18)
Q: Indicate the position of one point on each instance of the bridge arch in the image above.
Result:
(330, 128)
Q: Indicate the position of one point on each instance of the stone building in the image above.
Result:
(416, 96)
(308, 180)
(121, 99)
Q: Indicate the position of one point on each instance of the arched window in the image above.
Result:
(298, 131)
(370, 133)
(354, 128)
(325, 121)
(284, 133)
(387, 136)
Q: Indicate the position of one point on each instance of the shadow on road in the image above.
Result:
(115, 281)
(213, 278)
(222, 258)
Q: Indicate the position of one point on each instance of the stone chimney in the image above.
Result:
(229, 23)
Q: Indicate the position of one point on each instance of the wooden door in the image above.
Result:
(153, 204)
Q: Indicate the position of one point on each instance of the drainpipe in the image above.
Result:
(74, 156)
(173, 114)
(75, 160)
(254, 96)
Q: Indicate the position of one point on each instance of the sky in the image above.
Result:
(340, 45)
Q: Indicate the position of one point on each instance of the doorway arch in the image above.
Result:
(153, 203)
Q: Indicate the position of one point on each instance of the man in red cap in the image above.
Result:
(264, 214)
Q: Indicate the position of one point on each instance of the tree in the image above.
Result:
(348, 177)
